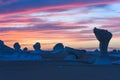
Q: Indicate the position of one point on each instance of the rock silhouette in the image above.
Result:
(104, 37)
(25, 50)
(77, 53)
(37, 48)
(58, 48)
(1, 43)
(61, 52)
(17, 47)
(5, 49)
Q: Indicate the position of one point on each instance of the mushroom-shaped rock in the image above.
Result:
(104, 37)
(37, 49)
(37, 46)
(58, 48)
(17, 47)
(25, 50)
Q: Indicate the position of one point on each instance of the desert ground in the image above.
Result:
(44, 70)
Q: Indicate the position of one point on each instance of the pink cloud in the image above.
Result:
(59, 7)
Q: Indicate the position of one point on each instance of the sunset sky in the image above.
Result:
(52, 21)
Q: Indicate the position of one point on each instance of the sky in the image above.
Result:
(70, 22)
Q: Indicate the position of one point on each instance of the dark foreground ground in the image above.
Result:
(36, 70)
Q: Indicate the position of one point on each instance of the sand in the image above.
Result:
(40, 70)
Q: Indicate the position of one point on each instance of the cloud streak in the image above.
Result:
(29, 6)
(52, 21)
